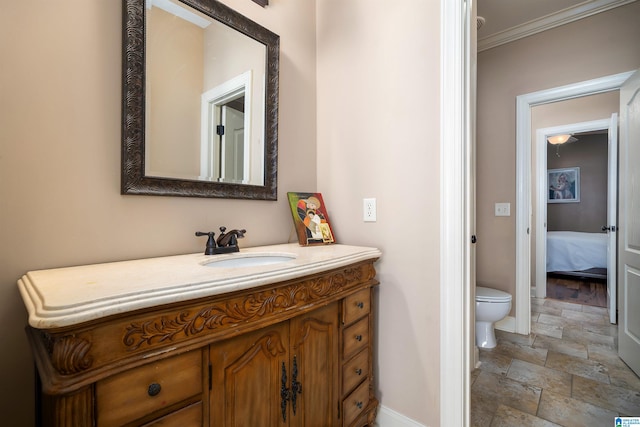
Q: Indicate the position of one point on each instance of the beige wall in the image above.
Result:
(175, 64)
(590, 154)
(228, 54)
(378, 121)
(593, 47)
(60, 201)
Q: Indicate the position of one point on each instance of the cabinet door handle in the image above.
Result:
(289, 394)
(359, 405)
(284, 393)
(358, 337)
(296, 386)
(359, 371)
(360, 304)
(154, 389)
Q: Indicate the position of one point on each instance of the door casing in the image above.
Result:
(523, 178)
(541, 193)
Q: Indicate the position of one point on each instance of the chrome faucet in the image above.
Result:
(226, 242)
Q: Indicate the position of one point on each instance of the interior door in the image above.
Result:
(629, 245)
(611, 227)
(232, 168)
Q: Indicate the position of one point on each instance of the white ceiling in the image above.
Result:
(509, 20)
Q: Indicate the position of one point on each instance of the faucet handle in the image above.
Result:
(211, 243)
(237, 234)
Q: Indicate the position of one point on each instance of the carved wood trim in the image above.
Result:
(373, 412)
(270, 345)
(70, 410)
(242, 309)
(69, 354)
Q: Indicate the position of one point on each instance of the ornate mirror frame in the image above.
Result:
(133, 179)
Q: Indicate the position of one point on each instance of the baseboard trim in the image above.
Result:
(476, 357)
(508, 324)
(390, 418)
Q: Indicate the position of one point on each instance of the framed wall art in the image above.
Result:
(310, 218)
(564, 185)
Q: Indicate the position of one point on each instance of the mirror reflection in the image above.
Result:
(205, 98)
(200, 101)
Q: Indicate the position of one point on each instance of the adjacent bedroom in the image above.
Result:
(576, 216)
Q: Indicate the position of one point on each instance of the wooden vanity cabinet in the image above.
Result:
(286, 374)
(295, 353)
(356, 358)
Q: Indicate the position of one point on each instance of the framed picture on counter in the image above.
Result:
(310, 218)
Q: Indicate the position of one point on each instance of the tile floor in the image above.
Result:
(565, 373)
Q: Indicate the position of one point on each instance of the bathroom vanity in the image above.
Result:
(271, 336)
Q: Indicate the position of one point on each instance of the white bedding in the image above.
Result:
(574, 251)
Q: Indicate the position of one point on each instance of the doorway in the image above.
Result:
(583, 239)
(524, 152)
(225, 136)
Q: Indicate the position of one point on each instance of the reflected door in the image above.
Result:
(232, 145)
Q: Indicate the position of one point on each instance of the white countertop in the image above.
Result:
(68, 296)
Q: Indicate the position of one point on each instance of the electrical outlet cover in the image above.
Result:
(369, 210)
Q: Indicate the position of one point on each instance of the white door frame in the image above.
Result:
(542, 185)
(612, 219)
(456, 322)
(456, 296)
(610, 124)
(211, 103)
(523, 178)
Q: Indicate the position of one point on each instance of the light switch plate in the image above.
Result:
(503, 209)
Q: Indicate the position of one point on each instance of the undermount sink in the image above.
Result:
(249, 260)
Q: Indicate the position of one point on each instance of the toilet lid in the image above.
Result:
(491, 295)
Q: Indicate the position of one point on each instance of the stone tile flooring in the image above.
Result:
(566, 373)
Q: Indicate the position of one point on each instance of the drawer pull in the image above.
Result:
(360, 304)
(359, 405)
(154, 389)
(358, 337)
(359, 371)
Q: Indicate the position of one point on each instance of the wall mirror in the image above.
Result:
(200, 101)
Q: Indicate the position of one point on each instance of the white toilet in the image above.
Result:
(491, 305)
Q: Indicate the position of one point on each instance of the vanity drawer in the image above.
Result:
(355, 337)
(356, 306)
(133, 394)
(355, 371)
(189, 416)
(354, 404)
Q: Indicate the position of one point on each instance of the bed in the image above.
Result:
(572, 252)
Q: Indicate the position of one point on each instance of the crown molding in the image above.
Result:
(548, 22)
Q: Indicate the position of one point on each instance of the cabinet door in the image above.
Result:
(246, 378)
(314, 354)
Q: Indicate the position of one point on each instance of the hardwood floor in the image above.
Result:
(578, 290)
